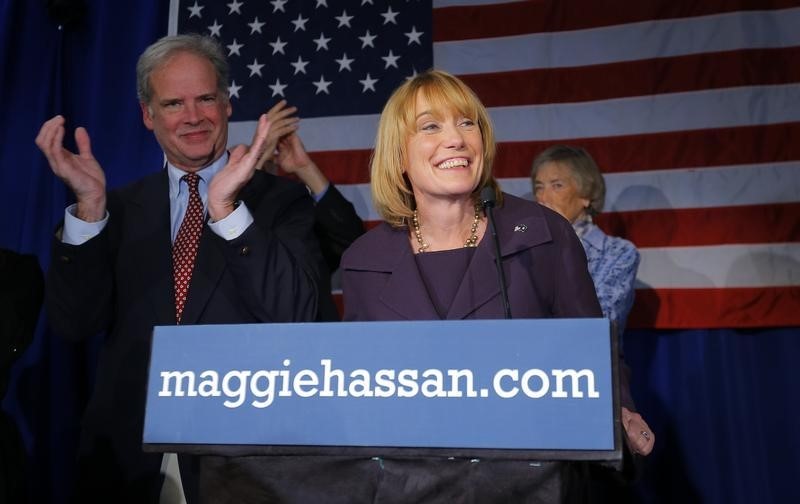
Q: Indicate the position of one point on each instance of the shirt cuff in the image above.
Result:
(234, 224)
(77, 231)
(321, 194)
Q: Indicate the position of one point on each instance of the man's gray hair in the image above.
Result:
(161, 51)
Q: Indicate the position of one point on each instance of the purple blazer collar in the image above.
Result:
(520, 226)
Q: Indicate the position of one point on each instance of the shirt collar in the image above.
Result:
(593, 236)
(206, 174)
(582, 224)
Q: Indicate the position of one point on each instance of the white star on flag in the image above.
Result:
(277, 88)
(322, 85)
(344, 19)
(255, 68)
(367, 40)
(215, 29)
(390, 59)
(300, 23)
(390, 16)
(255, 26)
(414, 36)
(322, 42)
(234, 48)
(195, 10)
(234, 7)
(233, 90)
(277, 5)
(368, 83)
(344, 62)
(277, 46)
(299, 65)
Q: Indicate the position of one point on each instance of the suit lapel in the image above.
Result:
(405, 292)
(479, 285)
(208, 268)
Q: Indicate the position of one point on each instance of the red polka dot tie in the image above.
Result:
(184, 250)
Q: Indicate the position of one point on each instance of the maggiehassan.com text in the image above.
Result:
(260, 388)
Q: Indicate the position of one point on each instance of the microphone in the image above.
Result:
(488, 200)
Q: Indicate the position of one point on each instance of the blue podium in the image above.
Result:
(528, 389)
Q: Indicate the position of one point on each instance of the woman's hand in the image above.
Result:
(640, 438)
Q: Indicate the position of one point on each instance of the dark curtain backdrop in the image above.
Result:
(84, 71)
(723, 403)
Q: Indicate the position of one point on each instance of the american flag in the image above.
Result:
(691, 109)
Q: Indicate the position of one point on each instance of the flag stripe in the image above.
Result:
(749, 67)
(661, 231)
(661, 151)
(692, 187)
(629, 42)
(664, 229)
(488, 21)
(718, 108)
(715, 308)
(717, 266)
(737, 185)
(706, 226)
(707, 308)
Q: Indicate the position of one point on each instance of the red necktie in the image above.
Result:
(184, 250)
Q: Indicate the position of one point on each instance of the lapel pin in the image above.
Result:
(520, 228)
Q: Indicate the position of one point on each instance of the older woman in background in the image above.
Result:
(566, 179)
(429, 260)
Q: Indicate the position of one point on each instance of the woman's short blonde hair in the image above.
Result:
(391, 190)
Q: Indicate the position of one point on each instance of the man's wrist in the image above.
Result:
(218, 212)
(91, 212)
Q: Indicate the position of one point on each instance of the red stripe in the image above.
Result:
(709, 308)
(664, 151)
(773, 223)
(753, 67)
(694, 227)
(658, 151)
(715, 308)
(517, 18)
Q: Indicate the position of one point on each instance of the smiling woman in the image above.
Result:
(429, 260)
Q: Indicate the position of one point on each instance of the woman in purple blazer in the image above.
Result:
(429, 260)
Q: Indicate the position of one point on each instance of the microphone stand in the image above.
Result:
(488, 202)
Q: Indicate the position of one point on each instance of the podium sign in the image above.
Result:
(510, 388)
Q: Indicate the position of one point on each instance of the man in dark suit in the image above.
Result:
(208, 240)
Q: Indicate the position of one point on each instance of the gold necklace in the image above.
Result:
(472, 241)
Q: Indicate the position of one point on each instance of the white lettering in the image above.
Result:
(498, 388)
(240, 392)
(526, 379)
(574, 376)
(178, 378)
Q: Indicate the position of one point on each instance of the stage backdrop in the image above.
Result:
(691, 109)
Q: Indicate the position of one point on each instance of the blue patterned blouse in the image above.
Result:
(613, 263)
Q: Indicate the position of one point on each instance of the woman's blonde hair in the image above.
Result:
(391, 191)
